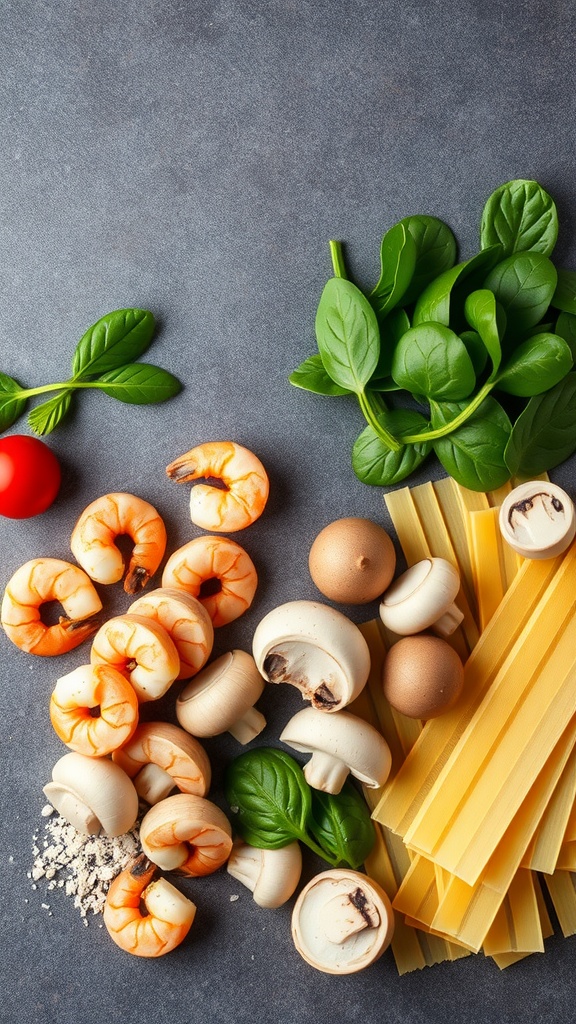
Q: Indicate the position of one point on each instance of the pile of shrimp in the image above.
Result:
(165, 635)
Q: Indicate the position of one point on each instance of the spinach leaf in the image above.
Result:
(536, 365)
(434, 302)
(45, 417)
(11, 404)
(566, 328)
(544, 435)
(435, 252)
(311, 376)
(374, 463)
(269, 797)
(473, 454)
(391, 330)
(523, 284)
(521, 216)
(397, 262)
(481, 314)
(476, 349)
(341, 824)
(564, 297)
(431, 360)
(139, 384)
(115, 339)
(347, 334)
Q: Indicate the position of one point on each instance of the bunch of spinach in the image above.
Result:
(103, 359)
(273, 805)
(470, 360)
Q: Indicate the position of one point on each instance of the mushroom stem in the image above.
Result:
(153, 783)
(249, 725)
(449, 621)
(326, 772)
(347, 914)
(74, 810)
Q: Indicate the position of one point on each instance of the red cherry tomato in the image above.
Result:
(29, 476)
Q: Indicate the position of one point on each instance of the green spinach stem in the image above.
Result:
(465, 414)
(371, 407)
(338, 264)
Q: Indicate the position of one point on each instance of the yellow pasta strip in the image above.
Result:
(566, 860)
(486, 552)
(570, 833)
(455, 518)
(545, 849)
(404, 796)
(517, 927)
(502, 751)
(563, 895)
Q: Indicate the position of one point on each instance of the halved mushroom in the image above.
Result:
(271, 875)
(160, 757)
(221, 699)
(342, 921)
(538, 520)
(315, 648)
(93, 794)
(423, 597)
(340, 744)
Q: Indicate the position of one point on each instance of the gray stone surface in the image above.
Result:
(194, 158)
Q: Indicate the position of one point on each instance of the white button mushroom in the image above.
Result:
(340, 744)
(271, 875)
(221, 699)
(315, 648)
(342, 922)
(93, 794)
(423, 597)
(160, 757)
(537, 520)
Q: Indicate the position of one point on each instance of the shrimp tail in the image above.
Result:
(80, 627)
(136, 579)
(183, 470)
(140, 866)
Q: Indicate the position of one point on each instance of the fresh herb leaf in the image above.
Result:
(524, 285)
(544, 435)
(391, 330)
(434, 302)
(311, 376)
(397, 263)
(435, 252)
(473, 454)
(341, 825)
(115, 339)
(566, 328)
(347, 334)
(431, 360)
(45, 417)
(269, 798)
(536, 365)
(12, 405)
(521, 216)
(564, 297)
(139, 384)
(481, 314)
(476, 349)
(374, 463)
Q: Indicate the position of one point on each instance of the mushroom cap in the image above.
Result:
(420, 596)
(271, 875)
(538, 519)
(342, 921)
(220, 694)
(93, 794)
(173, 750)
(315, 648)
(346, 739)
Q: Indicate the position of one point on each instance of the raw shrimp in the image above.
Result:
(115, 515)
(169, 914)
(92, 688)
(219, 559)
(141, 650)
(185, 620)
(245, 482)
(36, 583)
(160, 756)
(186, 833)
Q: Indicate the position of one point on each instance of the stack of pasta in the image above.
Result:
(479, 807)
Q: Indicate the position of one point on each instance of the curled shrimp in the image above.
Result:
(245, 481)
(169, 914)
(160, 756)
(141, 650)
(185, 620)
(186, 833)
(222, 560)
(115, 515)
(38, 582)
(85, 690)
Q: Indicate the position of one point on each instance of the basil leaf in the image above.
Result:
(11, 406)
(564, 297)
(397, 263)
(116, 338)
(521, 216)
(480, 312)
(566, 328)
(139, 384)
(347, 334)
(311, 376)
(431, 360)
(45, 417)
(536, 365)
(374, 463)
(342, 825)
(435, 252)
(473, 454)
(524, 285)
(544, 435)
(434, 302)
(269, 797)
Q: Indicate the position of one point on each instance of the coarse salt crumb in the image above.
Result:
(234, 898)
(47, 810)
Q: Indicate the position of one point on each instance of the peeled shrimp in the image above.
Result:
(160, 756)
(219, 559)
(111, 516)
(245, 482)
(169, 913)
(86, 689)
(37, 582)
(141, 650)
(186, 833)
(185, 620)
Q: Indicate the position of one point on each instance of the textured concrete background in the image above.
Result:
(194, 158)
